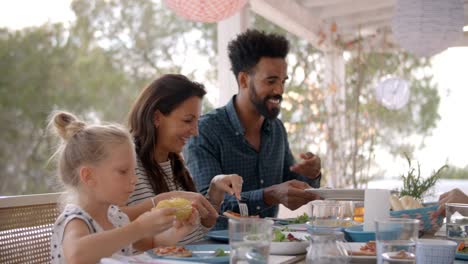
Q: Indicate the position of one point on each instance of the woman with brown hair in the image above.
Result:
(162, 119)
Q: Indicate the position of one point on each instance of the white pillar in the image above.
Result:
(227, 30)
(334, 79)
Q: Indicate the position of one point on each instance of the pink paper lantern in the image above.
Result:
(205, 10)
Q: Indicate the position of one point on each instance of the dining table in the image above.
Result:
(273, 259)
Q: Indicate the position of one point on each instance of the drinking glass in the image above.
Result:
(327, 214)
(250, 240)
(396, 240)
(457, 221)
(358, 211)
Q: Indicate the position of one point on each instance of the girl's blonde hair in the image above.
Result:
(82, 144)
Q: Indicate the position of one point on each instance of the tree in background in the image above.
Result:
(97, 66)
(94, 68)
(367, 124)
(43, 70)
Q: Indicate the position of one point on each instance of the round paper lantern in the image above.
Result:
(205, 10)
(393, 93)
(427, 27)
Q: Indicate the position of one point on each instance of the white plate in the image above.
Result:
(355, 247)
(339, 194)
(293, 247)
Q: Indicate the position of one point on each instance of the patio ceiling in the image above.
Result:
(311, 19)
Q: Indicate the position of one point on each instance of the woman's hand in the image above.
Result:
(224, 183)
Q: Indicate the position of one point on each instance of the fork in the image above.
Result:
(243, 209)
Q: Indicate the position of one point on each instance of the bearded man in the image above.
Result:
(245, 137)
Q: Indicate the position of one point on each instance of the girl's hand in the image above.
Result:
(207, 212)
(156, 220)
(183, 228)
(224, 183)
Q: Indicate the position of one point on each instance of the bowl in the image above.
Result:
(291, 247)
(356, 234)
(427, 224)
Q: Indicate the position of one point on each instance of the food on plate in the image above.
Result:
(302, 219)
(231, 214)
(462, 248)
(279, 236)
(183, 206)
(403, 255)
(173, 251)
(219, 252)
(367, 250)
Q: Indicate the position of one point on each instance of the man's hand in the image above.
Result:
(453, 196)
(290, 194)
(309, 167)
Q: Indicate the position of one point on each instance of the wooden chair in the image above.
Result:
(26, 226)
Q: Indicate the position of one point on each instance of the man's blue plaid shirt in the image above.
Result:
(221, 148)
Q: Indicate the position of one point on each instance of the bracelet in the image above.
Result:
(152, 201)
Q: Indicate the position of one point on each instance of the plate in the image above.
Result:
(461, 256)
(219, 235)
(339, 194)
(291, 247)
(200, 257)
(355, 246)
(356, 234)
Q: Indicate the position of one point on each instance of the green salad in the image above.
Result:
(279, 236)
(302, 219)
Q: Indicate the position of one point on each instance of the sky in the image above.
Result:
(448, 142)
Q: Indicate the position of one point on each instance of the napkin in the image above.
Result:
(376, 206)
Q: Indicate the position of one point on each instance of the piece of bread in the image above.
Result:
(409, 202)
(173, 251)
(395, 203)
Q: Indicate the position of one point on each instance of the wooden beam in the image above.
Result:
(320, 3)
(345, 9)
(294, 18)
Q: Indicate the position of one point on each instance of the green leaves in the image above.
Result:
(416, 186)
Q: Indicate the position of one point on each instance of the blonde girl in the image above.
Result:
(96, 164)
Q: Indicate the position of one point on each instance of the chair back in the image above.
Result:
(26, 223)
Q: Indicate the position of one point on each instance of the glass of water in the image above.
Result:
(250, 240)
(396, 240)
(327, 213)
(457, 221)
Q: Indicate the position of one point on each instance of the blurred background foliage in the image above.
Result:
(96, 66)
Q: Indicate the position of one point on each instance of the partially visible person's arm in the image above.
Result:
(453, 196)
(202, 155)
(291, 169)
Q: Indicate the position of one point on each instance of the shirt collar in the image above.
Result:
(235, 122)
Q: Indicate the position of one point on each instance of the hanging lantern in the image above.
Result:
(205, 10)
(427, 27)
(393, 93)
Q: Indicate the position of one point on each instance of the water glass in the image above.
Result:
(250, 240)
(327, 248)
(396, 240)
(327, 213)
(457, 221)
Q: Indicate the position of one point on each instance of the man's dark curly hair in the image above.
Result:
(246, 50)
